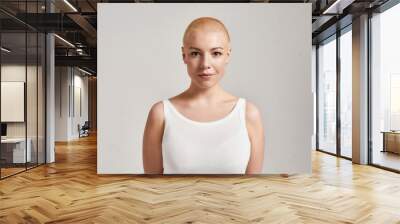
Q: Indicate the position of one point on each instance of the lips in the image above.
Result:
(205, 75)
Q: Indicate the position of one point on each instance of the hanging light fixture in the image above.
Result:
(5, 50)
(70, 5)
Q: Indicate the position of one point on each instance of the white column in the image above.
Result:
(50, 92)
(50, 100)
(360, 90)
(63, 101)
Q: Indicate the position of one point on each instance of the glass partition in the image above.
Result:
(41, 107)
(327, 96)
(13, 94)
(385, 89)
(22, 77)
(346, 93)
(32, 95)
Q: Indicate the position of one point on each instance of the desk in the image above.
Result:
(15, 148)
(391, 141)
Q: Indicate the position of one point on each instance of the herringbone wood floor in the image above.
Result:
(70, 191)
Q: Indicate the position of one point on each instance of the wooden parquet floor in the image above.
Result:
(70, 191)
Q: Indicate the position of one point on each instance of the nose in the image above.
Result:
(205, 63)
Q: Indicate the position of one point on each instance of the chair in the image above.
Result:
(84, 130)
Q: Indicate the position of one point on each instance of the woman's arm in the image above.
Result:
(152, 139)
(256, 134)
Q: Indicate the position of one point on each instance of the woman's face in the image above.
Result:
(206, 53)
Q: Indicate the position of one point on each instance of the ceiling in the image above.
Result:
(76, 22)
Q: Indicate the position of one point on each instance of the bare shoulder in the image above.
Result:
(253, 114)
(156, 112)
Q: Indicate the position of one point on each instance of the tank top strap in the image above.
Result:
(167, 109)
(165, 104)
(242, 110)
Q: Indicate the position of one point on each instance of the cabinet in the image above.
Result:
(391, 141)
(13, 150)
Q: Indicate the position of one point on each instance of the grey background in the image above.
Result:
(139, 63)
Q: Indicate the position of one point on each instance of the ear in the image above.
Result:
(228, 55)
(183, 54)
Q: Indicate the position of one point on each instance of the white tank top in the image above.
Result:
(216, 147)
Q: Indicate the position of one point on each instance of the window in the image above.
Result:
(327, 96)
(385, 88)
(346, 93)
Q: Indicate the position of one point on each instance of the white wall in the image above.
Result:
(140, 64)
(18, 73)
(80, 83)
(68, 80)
(62, 80)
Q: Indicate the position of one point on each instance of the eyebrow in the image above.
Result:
(215, 48)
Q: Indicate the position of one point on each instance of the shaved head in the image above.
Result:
(205, 24)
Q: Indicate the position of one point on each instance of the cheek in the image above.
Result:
(191, 67)
(220, 66)
(192, 64)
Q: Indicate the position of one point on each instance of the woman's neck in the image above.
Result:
(212, 93)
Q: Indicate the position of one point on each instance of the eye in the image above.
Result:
(194, 53)
(216, 53)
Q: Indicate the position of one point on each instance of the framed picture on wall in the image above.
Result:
(12, 101)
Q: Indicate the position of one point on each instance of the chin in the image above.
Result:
(205, 85)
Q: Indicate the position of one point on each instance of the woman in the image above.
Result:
(204, 130)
